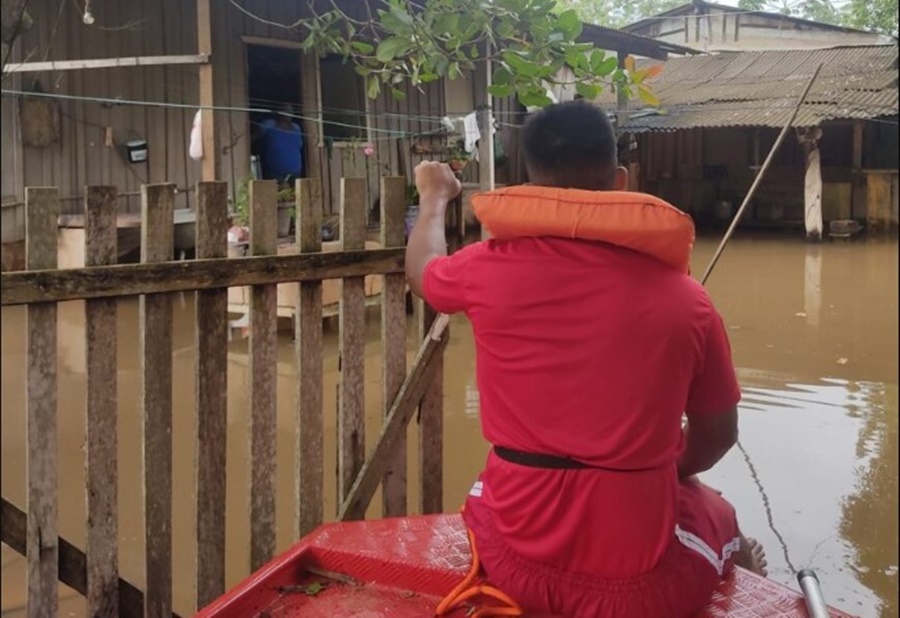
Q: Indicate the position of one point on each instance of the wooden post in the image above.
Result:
(157, 245)
(857, 179)
(72, 562)
(211, 325)
(422, 372)
(486, 171)
(308, 347)
(622, 97)
(431, 426)
(101, 473)
(41, 212)
(207, 98)
(351, 413)
(393, 337)
(263, 377)
(809, 139)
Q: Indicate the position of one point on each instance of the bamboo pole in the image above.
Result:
(759, 177)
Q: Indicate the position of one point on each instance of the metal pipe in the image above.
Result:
(812, 594)
(759, 177)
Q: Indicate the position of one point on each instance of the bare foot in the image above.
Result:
(752, 557)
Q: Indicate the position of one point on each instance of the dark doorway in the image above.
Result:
(273, 86)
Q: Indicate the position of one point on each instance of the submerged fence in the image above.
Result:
(94, 570)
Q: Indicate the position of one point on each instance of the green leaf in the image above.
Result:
(588, 91)
(313, 589)
(605, 67)
(501, 91)
(569, 23)
(647, 96)
(374, 87)
(398, 94)
(473, 53)
(502, 76)
(520, 65)
(362, 47)
(534, 98)
(388, 49)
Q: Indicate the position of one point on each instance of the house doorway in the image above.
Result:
(277, 146)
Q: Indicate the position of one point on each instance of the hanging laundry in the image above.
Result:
(467, 126)
(195, 150)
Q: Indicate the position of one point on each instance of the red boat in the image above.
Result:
(403, 567)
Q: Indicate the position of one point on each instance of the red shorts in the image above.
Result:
(699, 556)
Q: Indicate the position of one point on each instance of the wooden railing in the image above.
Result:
(102, 282)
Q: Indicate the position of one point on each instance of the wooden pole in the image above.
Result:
(393, 339)
(263, 378)
(157, 245)
(759, 177)
(41, 211)
(486, 170)
(207, 98)
(351, 396)
(101, 473)
(211, 392)
(621, 97)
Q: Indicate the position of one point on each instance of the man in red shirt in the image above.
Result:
(588, 354)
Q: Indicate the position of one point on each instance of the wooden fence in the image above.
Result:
(94, 572)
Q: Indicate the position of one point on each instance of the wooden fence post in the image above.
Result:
(101, 473)
(212, 396)
(41, 212)
(308, 347)
(263, 376)
(393, 337)
(351, 412)
(431, 427)
(157, 245)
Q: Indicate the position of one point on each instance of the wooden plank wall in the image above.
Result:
(82, 155)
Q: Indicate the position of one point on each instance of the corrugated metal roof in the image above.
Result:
(761, 89)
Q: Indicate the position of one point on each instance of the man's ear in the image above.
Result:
(621, 182)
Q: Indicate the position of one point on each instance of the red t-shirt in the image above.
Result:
(592, 351)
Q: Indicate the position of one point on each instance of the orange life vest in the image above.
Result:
(637, 221)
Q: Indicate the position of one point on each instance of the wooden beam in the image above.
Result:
(101, 471)
(411, 391)
(105, 63)
(211, 392)
(263, 350)
(210, 159)
(72, 561)
(41, 210)
(25, 287)
(352, 320)
(621, 98)
(393, 339)
(155, 362)
(310, 422)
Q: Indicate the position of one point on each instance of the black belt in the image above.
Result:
(534, 460)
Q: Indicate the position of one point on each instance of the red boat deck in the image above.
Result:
(402, 568)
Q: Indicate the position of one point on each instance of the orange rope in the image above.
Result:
(470, 587)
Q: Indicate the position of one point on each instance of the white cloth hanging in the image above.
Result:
(195, 149)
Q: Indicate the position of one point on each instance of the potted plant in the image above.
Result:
(285, 199)
(457, 157)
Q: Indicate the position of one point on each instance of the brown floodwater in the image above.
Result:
(814, 334)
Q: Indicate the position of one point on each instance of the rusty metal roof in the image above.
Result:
(761, 88)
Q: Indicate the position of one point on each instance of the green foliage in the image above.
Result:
(615, 13)
(872, 15)
(241, 214)
(528, 41)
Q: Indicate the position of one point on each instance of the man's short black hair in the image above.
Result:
(571, 145)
